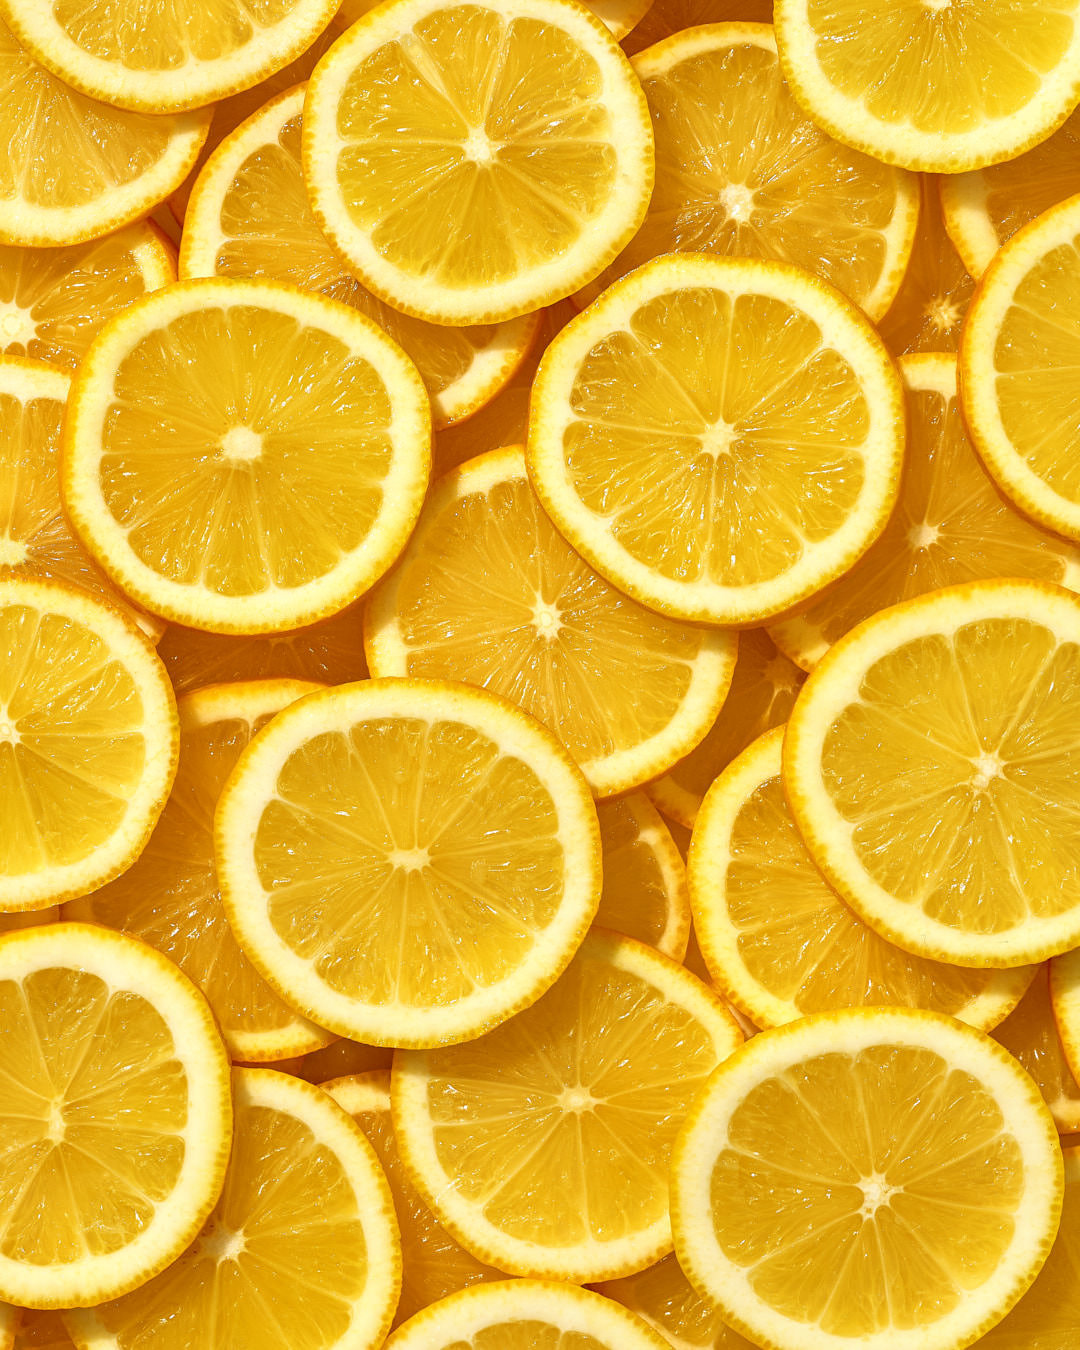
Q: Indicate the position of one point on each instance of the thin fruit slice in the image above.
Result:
(249, 216)
(1030, 1033)
(88, 742)
(780, 943)
(662, 1296)
(170, 896)
(433, 1265)
(876, 1176)
(301, 1253)
(489, 593)
(115, 1116)
(950, 525)
(543, 1146)
(740, 169)
(171, 58)
(763, 689)
(666, 17)
(930, 766)
(408, 862)
(75, 169)
(937, 87)
(42, 1331)
(472, 162)
(243, 457)
(719, 437)
(619, 16)
(1020, 345)
(342, 1059)
(644, 893)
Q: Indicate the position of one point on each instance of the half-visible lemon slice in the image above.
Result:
(662, 1296)
(41, 1331)
(645, 893)
(619, 16)
(1031, 1034)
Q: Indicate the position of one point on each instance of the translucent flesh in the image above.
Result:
(967, 806)
(42, 1331)
(665, 17)
(526, 1334)
(637, 898)
(92, 1114)
(882, 1214)
(526, 95)
(479, 866)
(163, 35)
(76, 747)
(666, 1299)
(342, 1058)
(1030, 1033)
(719, 437)
(29, 918)
(930, 305)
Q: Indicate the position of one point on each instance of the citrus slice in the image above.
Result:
(344, 1058)
(938, 87)
(662, 1296)
(929, 766)
(763, 689)
(740, 169)
(42, 1331)
(249, 216)
(115, 1114)
(699, 477)
(170, 895)
(408, 862)
(243, 457)
(302, 1250)
(879, 1175)
(666, 17)
(489, 593)
(950, 525)
(171, 58)
(433, 1265)
(74, 168)
(88, 742)
(1020, 344)
(461, 179)
(780, 943)
(644, 893)
(1030, 1033)
(619, 16)
(543, 1146)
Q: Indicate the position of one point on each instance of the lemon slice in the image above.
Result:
(645, 893)
(88, 742)
(243, 457)
(662, 1296)
(301, 1251)
(74, 168)
(701, 478)
(950, 525)
(170, 895)
(249, 216)
(41, 1331)
(928, 762)
(344, 1058)
(115, 1114)
(543, 1145)
(1030, 1033)
(1020, 343)
(489, 593)
(168, 59)
(408, 862)
(780, 943)
(877, 1176)
(477, 186)
(933, 86)
(666, 17)
(740, 169)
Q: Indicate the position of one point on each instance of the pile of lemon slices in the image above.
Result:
(539, 675)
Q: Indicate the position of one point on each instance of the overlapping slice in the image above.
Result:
(644, 893)
(249, 216)
(666, 17)
(489, 593)
(115, 1116)
(543, 1146)
(930, 765)
(719, 437)
(472, 162)
(1030, 1033)
(344, 1058)
(42, 1331)
(29, 918)
(243, 457)
(662, 1296)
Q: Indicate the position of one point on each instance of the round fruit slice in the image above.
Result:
(833, 1171)
(489, 593)
(950, 525)
(662, 1296)
(115, 1114)
(74, 168)
(543, 1146)
(504, 160)
(930, 767)
(408, 862)
(301, 1251)
(243, 457)
(249, 216)
(168, 59)
(740, 169)
(1021, 342)
(719, 437)
(1030, 1033)
(644, 893)
(619, 16)
(170, 895)
(88, 742)
(938, 87)
(777, 939)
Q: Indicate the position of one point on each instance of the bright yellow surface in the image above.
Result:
(1030, 1033)
(644, 876)
(666, 1299)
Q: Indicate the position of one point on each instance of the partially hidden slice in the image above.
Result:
(1032, 1034)
(662, 1296)
(644, 893)
(41, 1331)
